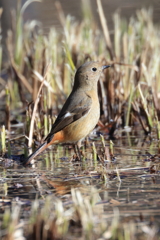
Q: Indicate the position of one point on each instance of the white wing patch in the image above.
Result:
(68, 114)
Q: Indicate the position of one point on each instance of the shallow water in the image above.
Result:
(135, 193)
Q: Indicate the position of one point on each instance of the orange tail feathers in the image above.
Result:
(56, 138)
(37, 152)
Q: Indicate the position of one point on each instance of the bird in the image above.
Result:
(80, 113)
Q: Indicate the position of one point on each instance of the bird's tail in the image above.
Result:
(35, 153)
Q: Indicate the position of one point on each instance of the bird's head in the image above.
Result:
(88, 74)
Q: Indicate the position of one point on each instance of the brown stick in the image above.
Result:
(35, 108)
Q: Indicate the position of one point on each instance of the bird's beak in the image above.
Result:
(105, 66)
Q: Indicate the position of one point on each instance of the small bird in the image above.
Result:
(81, 111)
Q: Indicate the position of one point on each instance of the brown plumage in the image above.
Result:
(81, 111)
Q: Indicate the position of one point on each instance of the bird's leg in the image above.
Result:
(77, 151)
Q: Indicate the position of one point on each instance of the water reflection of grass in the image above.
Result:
(129, 94)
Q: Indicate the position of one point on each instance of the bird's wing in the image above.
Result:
(70, 113)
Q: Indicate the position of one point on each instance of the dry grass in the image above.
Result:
(129, 92)
(129, 95)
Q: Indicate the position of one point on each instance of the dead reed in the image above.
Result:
(129, 95)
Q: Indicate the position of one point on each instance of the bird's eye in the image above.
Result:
(94, 69)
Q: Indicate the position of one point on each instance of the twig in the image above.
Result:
(105, 28)
(35, 108)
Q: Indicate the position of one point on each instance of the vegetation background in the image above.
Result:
(114, 192)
